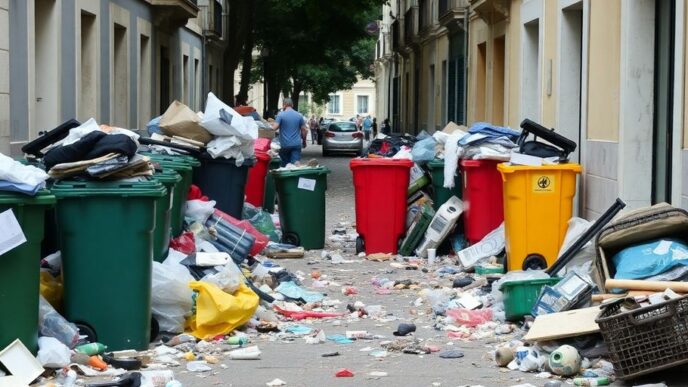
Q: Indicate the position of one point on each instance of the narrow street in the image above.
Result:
(289, 358)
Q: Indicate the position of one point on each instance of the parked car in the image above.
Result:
(342, 136)
(323, 127)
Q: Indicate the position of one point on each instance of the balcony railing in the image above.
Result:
(452, 13)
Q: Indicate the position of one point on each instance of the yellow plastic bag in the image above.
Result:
(217, 312)
(51, 289)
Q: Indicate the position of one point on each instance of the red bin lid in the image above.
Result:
(363, 162)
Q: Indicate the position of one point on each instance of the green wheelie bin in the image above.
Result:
(440, 194)
(269, 195)
(106, 235)
(301, 198)
(20, 269)
(184, 166)
(163, 211)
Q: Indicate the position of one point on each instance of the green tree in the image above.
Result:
(317, 46)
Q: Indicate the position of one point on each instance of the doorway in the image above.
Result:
(47, 87)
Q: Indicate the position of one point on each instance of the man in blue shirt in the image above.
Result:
(291, 124)
(367, 127)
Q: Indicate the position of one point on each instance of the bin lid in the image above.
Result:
(436, 163)
(139, 187)
(376, 162)
(573, 167)
(479, 163)
(263, 156)
(185, 159)
(168, 176)
(175, 165)
(43, 197)
(248, 162)
(298, 172)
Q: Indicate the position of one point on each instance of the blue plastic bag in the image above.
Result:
(651, 258)
(424, 150)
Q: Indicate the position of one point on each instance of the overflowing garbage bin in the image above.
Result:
(381, 187)
(482, 195)
(20, 273)
(106, 231)
(223, 181)
(163, 213)
(538, 203)
(301, 196)
(257, 176)
(184, 166)
(269, 195)
(440, 195)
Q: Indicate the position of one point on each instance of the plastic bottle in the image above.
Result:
(591, 381)
(52, 324)
(237, 340)
(91, 348)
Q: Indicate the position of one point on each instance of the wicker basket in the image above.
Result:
(648, 339)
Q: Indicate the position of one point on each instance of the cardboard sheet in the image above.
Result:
(561, 325)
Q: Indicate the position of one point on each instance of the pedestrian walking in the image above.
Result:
(374, 127)
(313, 125)
(386, 128)
(367, 128)
(359, 122)
(292, 128)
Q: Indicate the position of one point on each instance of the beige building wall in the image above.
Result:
(604, 77)
(4, 78)
(513, 52)
(549, 75)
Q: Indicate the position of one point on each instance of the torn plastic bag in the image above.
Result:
(52, 353)
(649, 259)
(171, 297)
(51, 289)
(184, 243)
(52, 324)
(199, 210)
(219, 313)
(221, 120)
(470, 318)
(262, 221)
(424, 150)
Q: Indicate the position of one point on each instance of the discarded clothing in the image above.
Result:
(494, 130)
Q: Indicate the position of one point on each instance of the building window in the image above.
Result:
(362, 104)
(186, 96)
(334, 105)
(144, 83)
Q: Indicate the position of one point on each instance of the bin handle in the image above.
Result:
(671, 310)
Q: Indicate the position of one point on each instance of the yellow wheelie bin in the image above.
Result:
(538, 203)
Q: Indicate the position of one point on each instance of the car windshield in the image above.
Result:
(342, 127)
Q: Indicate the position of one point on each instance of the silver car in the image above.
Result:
(342, 136)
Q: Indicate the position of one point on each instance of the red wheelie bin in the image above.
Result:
(381, 187)
(482, 194)
(255, 185)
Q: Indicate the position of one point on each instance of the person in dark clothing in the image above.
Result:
(374, 127)
(386, 128)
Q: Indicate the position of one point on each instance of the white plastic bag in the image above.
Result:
(171, 296)
(16, 172)
(221, 120)
(577, 227)
(452, 152)
(198, 210)
(52, 353)
(228, 279)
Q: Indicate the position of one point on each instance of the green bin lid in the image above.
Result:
(168, 176)
(181, 159)
(300, 172)
(124, 188)
(436, 163)
(43, 197)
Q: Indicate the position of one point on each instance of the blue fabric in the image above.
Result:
(367, 125)
(26, 189)
(290, 122)
(493, 130)
(651, 258)
(290, 154)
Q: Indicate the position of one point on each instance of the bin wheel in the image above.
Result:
(360, 245)
(86, 330)
(291, 238)
(154, 329)
(534, 262)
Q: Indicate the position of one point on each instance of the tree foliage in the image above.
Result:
(317, 46)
